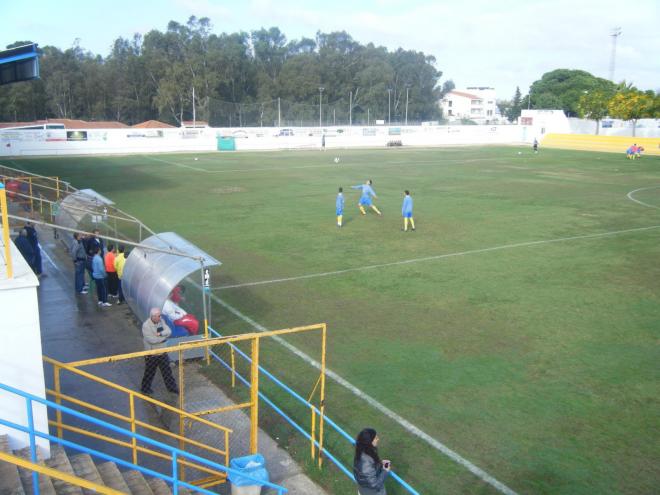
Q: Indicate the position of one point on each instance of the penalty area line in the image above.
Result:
(435, 257)
(404, 423)
(631, 198)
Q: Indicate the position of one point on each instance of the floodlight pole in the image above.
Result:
(616, 32)
(279, 113)
(321, 106)
(389, 105)
(407, 88)
(350, 108)
(194, 113)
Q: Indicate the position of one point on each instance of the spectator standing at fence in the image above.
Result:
(155, 333)
(113, 281)
(368, 468)
(92, 242)
(365, 198)
(25, 247)
(79, 257)
(33, 237)
(120, 260)
(100, 278)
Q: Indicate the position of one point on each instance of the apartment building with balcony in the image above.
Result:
(476, 103)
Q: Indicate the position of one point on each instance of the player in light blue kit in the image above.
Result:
(365, 199)
(339, 206)
(407, 211)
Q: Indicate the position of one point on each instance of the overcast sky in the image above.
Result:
(501, 44)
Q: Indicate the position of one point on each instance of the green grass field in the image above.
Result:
(523, 334)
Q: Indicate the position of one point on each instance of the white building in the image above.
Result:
(473, 103)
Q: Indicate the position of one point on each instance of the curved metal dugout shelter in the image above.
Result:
(81, 210)
(150, 275)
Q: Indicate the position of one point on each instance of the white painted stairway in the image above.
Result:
(16, 480)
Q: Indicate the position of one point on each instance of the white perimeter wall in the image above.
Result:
(21, 365)
(644, 127)
(126, 141)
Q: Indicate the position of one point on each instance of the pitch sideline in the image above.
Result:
(435, 257)
(404, 423)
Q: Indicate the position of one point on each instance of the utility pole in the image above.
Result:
(389, 106)
(529, 98)
(368, 121)
(616, 32)
(279, 113)
(321, 106)
(407, 88)
(350, 108)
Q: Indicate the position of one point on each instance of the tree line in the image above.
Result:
(581, 94)
(238, 79)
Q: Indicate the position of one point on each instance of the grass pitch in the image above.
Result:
(519, 325)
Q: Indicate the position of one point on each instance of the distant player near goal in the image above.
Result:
(365, 199)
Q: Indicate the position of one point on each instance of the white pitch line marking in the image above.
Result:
(407, 425)
(177, 164)
(435, 257)
(630, 196)
(334, 165)
(45, 254)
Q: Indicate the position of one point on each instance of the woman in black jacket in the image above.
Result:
(369, 470)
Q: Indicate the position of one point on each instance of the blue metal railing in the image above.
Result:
(300, 399)
(174, 452)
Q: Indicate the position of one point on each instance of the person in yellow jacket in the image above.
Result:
(120, 260)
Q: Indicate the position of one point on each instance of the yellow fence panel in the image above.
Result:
(612, 144)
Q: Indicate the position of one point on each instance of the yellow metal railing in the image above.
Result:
(254, 392)
(5, 232)
(253, 405)
(186, 420)
(60, 475)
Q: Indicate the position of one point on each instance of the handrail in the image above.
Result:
(131, 420)
(297, 396)
(175, 452)
(60, 475)
(139, 448)
(120, 388)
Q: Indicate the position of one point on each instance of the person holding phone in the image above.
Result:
(155, 333)
(368, 468)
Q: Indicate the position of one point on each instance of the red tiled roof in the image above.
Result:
(153, 124)
(465, 95)
(69, 124)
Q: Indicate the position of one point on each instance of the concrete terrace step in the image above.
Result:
(112, 477)
(159, 487)
(10, 481)
(84, 467)
(60, 461)
(136, 483)
(45, 485)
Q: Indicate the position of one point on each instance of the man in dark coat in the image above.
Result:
(33, 237)
(25, 247)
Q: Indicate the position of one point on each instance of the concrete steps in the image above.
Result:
(18, 481)
(10, 480)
